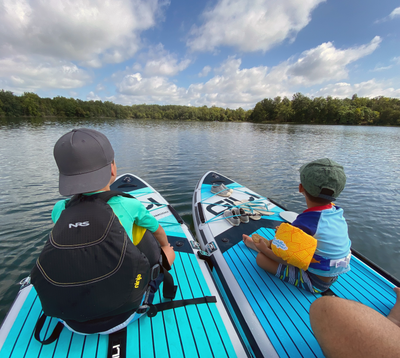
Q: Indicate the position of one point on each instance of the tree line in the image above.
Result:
(319, 110)
(300, 109)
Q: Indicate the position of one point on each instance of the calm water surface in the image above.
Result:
(172, 156)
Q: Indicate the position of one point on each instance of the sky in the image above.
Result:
(224, 53)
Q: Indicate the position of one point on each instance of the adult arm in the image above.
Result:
(267, 251)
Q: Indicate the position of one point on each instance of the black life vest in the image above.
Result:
(89, 273)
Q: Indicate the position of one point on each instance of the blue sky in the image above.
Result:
(227, 53)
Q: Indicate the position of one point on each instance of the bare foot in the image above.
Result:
(248, 241)
(394, 314)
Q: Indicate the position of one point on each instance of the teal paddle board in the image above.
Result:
(203, 330)
(272, 315)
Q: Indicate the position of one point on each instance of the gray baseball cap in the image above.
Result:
(84, 158)
(323, 174)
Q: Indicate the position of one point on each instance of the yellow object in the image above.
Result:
(137, 233)
(294, 246)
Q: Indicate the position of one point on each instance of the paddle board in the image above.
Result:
(273, 315)
(203, 330)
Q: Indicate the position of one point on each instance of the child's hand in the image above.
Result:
(257, 243)
(258, 238)
(263, 245)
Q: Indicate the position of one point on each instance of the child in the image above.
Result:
(88, 274)
(321, 182)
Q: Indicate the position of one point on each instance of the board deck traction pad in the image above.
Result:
(203, 330)
(268, 309)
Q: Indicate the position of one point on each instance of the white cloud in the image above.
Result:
(205, 71)
(371, 88)
(325, 62)
(90, 31)
(92, 97)
(163, 63)
(378, 68)
(149, 90)
(382, 68)
(233, 86)
(21, 74)
(251, 25)
(395, 13)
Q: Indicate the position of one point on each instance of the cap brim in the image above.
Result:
(84, 183)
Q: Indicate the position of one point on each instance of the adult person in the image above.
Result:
(346, 328)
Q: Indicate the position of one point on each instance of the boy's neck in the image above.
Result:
(311, 204)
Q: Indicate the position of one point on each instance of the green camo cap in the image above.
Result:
(323, 174)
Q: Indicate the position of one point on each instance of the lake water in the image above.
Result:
(172, 156)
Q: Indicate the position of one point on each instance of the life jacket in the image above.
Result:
(89, 273)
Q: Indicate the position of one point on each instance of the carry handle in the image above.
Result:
(54, 335)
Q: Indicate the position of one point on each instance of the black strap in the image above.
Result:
(207, 258)
(54, 335)
(117, 344)
(169, 289)
(107, 195)
(154, 309)
(104, 195)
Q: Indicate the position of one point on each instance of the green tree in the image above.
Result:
(301, 108)
(30, 103)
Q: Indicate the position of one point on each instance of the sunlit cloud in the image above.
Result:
(151, 90)
(371, 88)
(233, 86)
(160, 62)
(394, 14)
(22, 74)
(250, 25)
(325, 62)
(91, 31)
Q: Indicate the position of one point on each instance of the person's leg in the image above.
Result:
(266, 263)
(263, 261)
(345, 328)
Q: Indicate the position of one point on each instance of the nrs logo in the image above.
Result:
(138, 278)
(85, 223)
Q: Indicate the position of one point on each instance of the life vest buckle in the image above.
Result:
(155, 271)
(143, 309)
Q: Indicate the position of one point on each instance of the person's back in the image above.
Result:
(97, 231)
(322, 181)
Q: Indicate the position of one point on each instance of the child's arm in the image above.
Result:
(270, 254)
(264, 246)
(162, 238)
